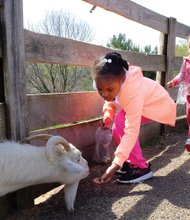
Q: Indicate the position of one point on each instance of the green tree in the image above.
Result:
(181, 48)
(122, 43)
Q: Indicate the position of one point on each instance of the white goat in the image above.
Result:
(24, 165)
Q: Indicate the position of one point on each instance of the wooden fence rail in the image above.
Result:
(54, 109)
(42, 48)
(141, 15)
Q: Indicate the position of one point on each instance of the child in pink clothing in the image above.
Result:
(124, 87)
(136, 158)
(183, 78)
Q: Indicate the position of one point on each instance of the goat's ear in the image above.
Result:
(58, 150)
(55, 147)
(54, 152)
(71, 167)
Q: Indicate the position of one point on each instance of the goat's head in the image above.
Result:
(72, 167)
(67, 158)
(69, 165)
(63, 155)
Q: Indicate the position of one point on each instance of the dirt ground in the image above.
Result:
(165, 196)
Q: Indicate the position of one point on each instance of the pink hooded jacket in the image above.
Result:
(139, 96)
(183, 76)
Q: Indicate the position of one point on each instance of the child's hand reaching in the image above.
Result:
(170, 84)
(106, 123)
(108, 175)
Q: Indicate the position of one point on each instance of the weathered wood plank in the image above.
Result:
(134, 12)
(2, 94)
(2, 122)
(50, 49)
(170, 52)
(182, 30)
(54, 109)
(160, 75)
(140, 14)
(81, 135)
(14, 81)
(14, 69)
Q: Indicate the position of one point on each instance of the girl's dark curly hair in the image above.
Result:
(116, 65)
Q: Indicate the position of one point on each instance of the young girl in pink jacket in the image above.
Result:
(183, 78)
(124, 87)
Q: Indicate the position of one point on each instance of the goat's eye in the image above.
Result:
(78, 160)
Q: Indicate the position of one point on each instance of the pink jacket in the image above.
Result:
(139, 96)
(184, 75)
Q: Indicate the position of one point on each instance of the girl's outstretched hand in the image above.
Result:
(108, 175)
(170, 84)
(106, 123)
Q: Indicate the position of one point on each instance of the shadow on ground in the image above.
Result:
(166, 196)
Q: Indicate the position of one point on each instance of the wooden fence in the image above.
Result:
(21, 114)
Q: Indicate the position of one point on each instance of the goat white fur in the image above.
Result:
(24, 165)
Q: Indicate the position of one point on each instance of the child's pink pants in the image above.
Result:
(188, 113)
(135, 158)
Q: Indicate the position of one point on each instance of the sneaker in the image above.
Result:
(135, 175)
(123, 169)
(187, 145)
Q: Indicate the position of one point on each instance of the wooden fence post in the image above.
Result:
(14, 69)
(160, 76)
(13, 56)
(167, 48)
(170, 52)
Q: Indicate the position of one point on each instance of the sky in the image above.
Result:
(105, 24)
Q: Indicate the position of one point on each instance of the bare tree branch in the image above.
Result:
(50, 78)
